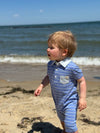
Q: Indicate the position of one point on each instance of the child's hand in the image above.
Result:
(38, 91)
(82, 104)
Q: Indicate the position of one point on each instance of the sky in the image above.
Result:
(20, 12)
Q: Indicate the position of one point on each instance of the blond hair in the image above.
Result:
(64, 40)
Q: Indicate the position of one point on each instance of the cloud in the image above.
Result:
(16, 15)
(41, 10)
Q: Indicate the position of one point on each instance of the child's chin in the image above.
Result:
(49, 57)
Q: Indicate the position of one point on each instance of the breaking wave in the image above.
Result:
(43, 59)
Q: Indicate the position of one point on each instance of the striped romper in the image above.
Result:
(63, 78)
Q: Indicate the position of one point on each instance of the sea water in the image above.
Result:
(28, 43)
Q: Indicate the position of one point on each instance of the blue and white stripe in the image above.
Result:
(63, 78)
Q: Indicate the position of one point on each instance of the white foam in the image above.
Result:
(23, 59)
(32, 59)
(87, 60)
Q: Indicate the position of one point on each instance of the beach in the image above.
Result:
(22, 112)
(23, 60)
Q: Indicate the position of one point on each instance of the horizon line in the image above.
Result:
(51, 23)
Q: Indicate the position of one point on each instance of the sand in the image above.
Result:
(22, 112)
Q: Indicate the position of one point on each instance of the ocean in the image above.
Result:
(28, 43)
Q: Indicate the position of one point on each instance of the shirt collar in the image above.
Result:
(64, 62)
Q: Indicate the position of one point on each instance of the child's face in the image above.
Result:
(54, 53)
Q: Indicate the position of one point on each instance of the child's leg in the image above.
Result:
(68, 118)
(69, 123)
(62, 123)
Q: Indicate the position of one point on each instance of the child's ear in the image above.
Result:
(65, 52)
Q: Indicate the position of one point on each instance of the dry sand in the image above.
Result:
(22, 112)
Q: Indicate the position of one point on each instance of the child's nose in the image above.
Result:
(48, 49)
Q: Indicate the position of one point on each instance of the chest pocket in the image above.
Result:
(64, 79)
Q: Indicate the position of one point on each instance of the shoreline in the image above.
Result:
(36, 71)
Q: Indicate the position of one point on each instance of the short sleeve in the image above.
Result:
(77, 72)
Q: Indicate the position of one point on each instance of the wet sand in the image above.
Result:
(22, 112)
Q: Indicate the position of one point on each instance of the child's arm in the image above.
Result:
(82, 99)
(44, 83)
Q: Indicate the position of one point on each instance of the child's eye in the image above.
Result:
(51, 47)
